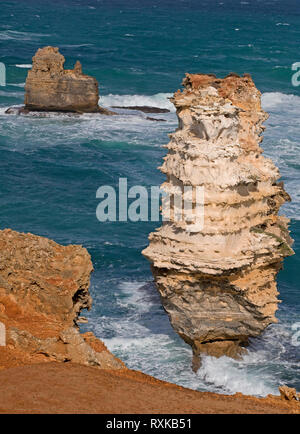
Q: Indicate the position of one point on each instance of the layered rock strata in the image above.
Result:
(49, 87)
(216, 272)
(43, 288)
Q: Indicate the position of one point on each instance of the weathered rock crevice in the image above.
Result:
(218, 282)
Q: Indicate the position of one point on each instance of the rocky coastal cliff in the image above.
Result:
(49, 87)
(218, 282)
(43, 288)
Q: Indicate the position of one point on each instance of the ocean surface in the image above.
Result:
(51, 167)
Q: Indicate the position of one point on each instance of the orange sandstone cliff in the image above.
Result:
(43, 288)
(49, 87)
(217, 280)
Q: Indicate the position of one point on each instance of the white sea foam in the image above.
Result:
(75, 45)
(278, 100)
(11, 94)
(281, 138)
(142, 336)
(159, 100)
(140, 333)
(282, 143)
(24, 65)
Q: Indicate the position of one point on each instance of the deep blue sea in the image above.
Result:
(51, 168)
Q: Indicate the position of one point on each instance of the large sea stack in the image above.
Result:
(218, 283)
(49, 87)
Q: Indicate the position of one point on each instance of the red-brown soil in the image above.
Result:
(72, 388)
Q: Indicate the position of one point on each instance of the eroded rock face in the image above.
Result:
(49, 87)
(217, 283)
(43, 288)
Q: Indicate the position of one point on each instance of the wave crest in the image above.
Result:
(277, 100)
(159, 100)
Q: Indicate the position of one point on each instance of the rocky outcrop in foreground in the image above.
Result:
(43, 288)
(217, 280)
(49, 87)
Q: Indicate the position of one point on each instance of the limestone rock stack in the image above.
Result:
(217, 279)
(43, 288)
(49, 87)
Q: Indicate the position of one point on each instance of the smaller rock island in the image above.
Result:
(50, 87)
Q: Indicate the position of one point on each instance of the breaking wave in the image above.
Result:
(275, 101)
(20, 36)
(141, 335)
(25, 65)
(282, 143)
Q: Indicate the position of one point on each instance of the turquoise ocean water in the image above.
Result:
(51, 168)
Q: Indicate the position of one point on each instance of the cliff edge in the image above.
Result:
(43, 288)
